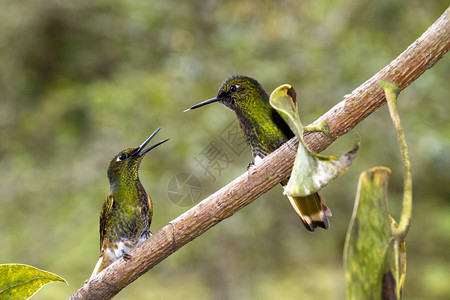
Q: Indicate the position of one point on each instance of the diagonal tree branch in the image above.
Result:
(366, 99)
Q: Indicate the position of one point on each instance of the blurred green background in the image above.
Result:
(80, 81)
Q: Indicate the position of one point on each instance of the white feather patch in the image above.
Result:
(258, 159)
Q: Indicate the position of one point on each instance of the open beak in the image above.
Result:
(204, 103)
(140, 151)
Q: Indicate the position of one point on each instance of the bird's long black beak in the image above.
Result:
(140, 151)
(216, 99)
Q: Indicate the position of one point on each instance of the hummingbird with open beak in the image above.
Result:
(127, 211)
(265, 131)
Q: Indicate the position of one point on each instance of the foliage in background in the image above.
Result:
(79, 81)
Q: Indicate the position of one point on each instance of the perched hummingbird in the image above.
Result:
(264, 131)
(127, 211)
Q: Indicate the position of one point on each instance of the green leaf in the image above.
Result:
(368, 254)
(283, 99)
(311, 171)
(19, 281)
(375, 255)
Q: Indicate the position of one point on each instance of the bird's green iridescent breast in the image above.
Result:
(263, 128)
(130, 214)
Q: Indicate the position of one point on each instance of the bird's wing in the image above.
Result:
(104, 217)
(150, 210)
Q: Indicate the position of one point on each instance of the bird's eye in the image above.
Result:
(234, 88)
(122, 157)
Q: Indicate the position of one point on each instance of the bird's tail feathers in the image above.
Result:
(312, 210)
(98, 267)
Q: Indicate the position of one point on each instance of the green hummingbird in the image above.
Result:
(264, 131)
(127, 211)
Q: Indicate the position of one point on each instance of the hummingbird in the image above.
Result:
(265, 131)
(127, 211)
